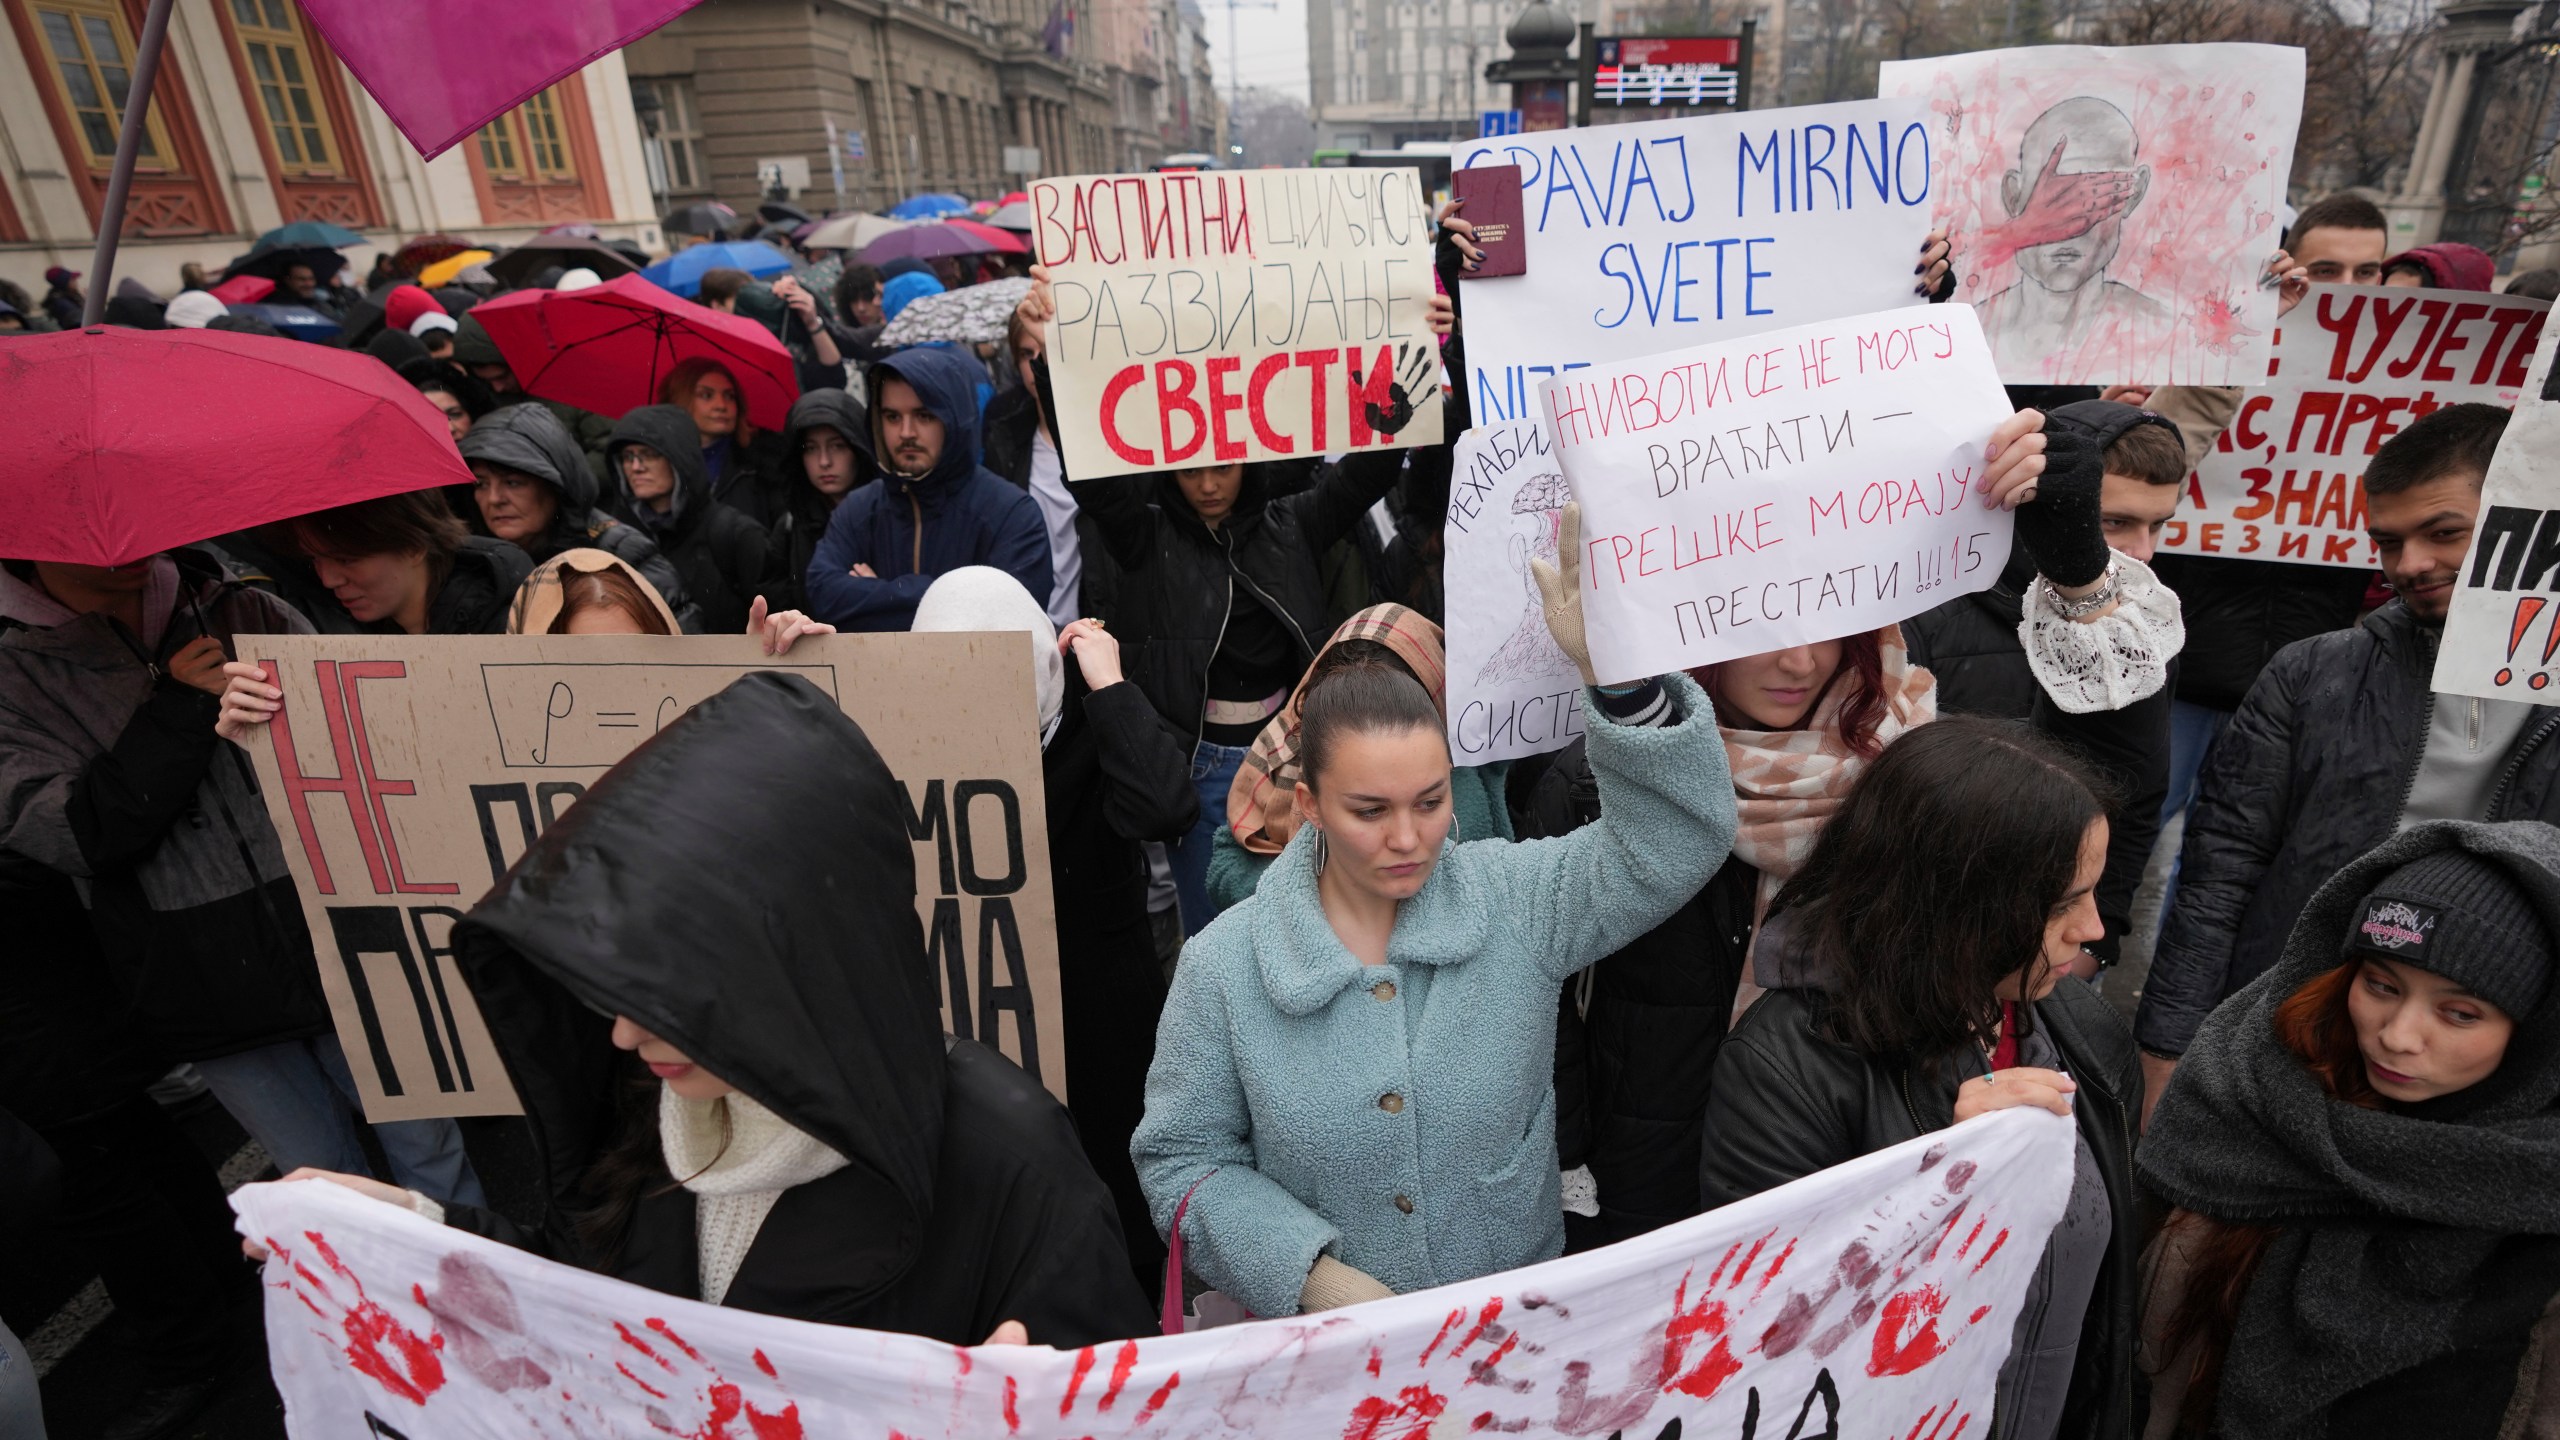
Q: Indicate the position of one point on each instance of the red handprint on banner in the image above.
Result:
(689, 1397)
(407, 1365)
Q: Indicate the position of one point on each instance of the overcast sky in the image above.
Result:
(1272, 37)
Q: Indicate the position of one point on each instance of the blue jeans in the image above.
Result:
(1213, 774)
(2192, 731)
(21, 1407)
(299, 1101)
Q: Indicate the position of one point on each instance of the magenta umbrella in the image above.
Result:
(609, 347)
(131, 441)
(925, 242)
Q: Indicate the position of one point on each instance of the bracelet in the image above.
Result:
(2089, 604)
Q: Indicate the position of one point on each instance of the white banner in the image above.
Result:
(1671, 233)
(1511, 691)
(2502, 639)
(1793, 487)
(2353, 365)
(1876, 1298)
(2112, 210)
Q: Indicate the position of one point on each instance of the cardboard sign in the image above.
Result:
(2353, 365)
(1792, 487)
(406, 774)
(1876, 1298)
(1674, 233)
(2111, 211)
(1511, 691)
(2502, 639)
(1216, 316)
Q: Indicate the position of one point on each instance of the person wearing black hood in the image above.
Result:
(935, 509)
(661, 487)
(827, 448)
(404, 565)
(2364, 1152)
(534, 489)
(813, 1145)
(480, 357)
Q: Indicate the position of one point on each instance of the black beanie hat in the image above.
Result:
(2459, 916)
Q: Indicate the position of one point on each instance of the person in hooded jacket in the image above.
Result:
(1115, 775)
(935, 509)
(660, 487)
(404, 565)
(533, 490)
(2363, 1147)
(826, 448)
(787, 1130)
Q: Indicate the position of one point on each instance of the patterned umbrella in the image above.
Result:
(426, 250)
(977, 313)
(444, 271)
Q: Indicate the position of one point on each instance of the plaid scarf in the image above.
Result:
(1258, 808)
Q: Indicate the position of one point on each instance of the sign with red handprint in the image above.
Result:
(1876, 1298)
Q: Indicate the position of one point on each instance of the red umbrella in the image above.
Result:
(243, 290)
(608, 347)
(1003, 242)
(132, 441)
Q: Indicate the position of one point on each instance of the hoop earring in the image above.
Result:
(1457, 828)
(1320, 851)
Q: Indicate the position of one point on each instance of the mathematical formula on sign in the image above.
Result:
(586, 717)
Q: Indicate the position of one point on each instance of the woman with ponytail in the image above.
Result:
(2363, 1147)
(1387, 986)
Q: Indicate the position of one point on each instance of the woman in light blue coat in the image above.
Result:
(1353, 1085)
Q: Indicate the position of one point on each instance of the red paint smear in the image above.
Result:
(1957, 1432)
(1953, 1217)
(1075, 1382)
(1156, 1401)
(1914, 1432)
(636, 1380)
(1492, 1311)
(1718, 1273)
(1012, 1413)
(1977, 1315)
(728, 1404)
(421, 1374)
(1376, 1362)
(1915, 1311)
(1484, 1367)
(767, 1366)
(1445, 1327)
(1407, 1417)
(1774, 1267)
(690, 1353)
(1749, 1260)
(1120, 1368)
(1990, 1250)
(1971, 1236)
(1706, 1321)
(636, 1343)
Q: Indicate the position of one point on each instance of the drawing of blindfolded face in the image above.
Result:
(2076, 180)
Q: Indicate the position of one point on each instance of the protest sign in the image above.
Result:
(406, 774)
(2112, 210)
(1220, 316)
(1672, 233)
(2353, 365)
(2502, 639)
(1792, 487)
(1876, 1298)
(1511, 691)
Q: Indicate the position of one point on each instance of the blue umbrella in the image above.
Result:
(294, 322)
(682, 271)
(929, 207)
(307, 235)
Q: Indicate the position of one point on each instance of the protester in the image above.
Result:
(1353, 1090)
(30, 1182)
(813, 1146)
(1114, 774)
(64, 303)
(404, 565)
(828, 443)
(661, 488)
(478, 355)
(719, 289)
(111, 773)
(2363, 1154)
(900, 291)
(2450, 265)
(193, 310)
(461, 399)
(300, 284)
(1021, 447)
(816, 358)
(935, 509)
(533, 489)
(742, 464)
(589, 592)
(1916, 986)
(13, 321)
(2534, 285)
(1260, 810)
(2343, 741)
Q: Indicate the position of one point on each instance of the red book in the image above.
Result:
(1492, 193)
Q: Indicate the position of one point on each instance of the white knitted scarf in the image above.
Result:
(736, 1171)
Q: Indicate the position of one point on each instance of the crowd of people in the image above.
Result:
(1344, 1020)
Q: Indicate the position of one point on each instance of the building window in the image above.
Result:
(679, 131)
(90, 50)
(528, 145)
(286, 78)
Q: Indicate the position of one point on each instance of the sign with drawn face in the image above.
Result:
(1512, 692)
(2502, 632)
(2111, 211)
(1876, 1298)
(406, 774)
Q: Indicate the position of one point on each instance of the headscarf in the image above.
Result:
(538, 600)
(191, 310)
(1258, 802)
(982, 597)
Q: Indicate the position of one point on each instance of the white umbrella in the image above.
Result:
(850, 231)
(1016, 216)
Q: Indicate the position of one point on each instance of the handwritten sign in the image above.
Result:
(2353, 364)
(1511, 691)
(2502, 638)
(1872, 1299)
(1674, 233)
(1788, 488)
(406, 775)
(1224, 316)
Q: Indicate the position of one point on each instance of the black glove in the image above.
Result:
(2061, 527)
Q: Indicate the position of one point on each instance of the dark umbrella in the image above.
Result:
(426, 250)
(296, 322)
(517, 267)
(774, 212)
(924, 242)
(628, 249)
(308, 235)
(271, 264)
(703, 217)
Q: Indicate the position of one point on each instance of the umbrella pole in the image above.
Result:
(137, 109)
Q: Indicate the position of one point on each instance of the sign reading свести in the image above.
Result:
(1212, 317)
(1780, 490)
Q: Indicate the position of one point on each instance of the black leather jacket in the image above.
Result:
(1787, 1102)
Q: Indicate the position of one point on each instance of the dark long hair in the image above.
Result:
(1861, 707)
(1360, 697)
(630, 1169)
(1936, 879)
